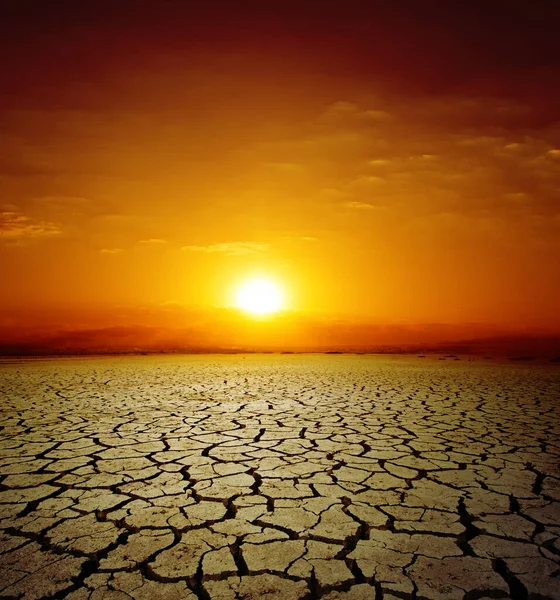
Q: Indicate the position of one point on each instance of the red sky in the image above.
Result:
(395, 166)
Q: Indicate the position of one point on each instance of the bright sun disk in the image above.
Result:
(259, 296)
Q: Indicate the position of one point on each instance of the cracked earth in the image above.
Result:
(278, 477)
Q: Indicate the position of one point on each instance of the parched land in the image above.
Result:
(279, 477)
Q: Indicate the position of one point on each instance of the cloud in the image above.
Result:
(16, 226)
(231, 248)
(449, 153)
(73, 205)
(153, 242)
(111, 251)
(294, 236)
(361, 205)
(340, 112)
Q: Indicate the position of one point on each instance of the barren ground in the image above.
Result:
(279, 477)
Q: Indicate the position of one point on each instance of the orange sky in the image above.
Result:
(392, 168)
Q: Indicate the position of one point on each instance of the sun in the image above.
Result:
(259, 296)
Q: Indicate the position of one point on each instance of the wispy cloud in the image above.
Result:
(153, 242)
(231, 248)
(361, 205)
(340, 111)
(111, 251)
(15, 226)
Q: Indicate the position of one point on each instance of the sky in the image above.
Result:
(394, 166)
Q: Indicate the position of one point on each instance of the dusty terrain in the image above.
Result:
(225, 477)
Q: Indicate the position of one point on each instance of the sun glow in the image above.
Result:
(259, 296)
